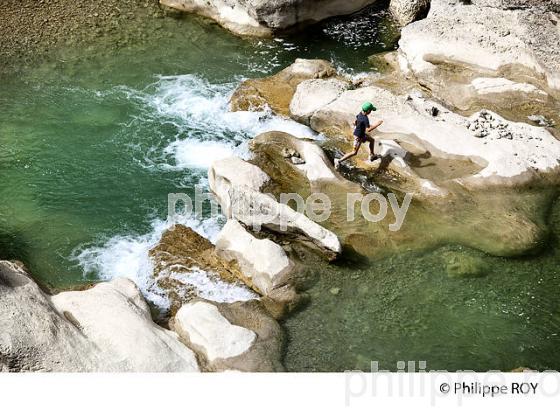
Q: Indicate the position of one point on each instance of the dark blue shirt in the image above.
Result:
(362, 124)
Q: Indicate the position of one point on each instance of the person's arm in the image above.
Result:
(375, 125)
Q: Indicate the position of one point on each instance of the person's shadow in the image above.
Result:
(392, 150)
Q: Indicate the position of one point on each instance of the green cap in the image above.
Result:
(368, 107)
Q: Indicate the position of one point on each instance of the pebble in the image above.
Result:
(541, 120)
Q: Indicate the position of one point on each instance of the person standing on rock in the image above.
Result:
(360, 134)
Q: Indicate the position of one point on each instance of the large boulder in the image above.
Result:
(498, 37)
(106, 328)
(277, 91)
(302, 155)
(241, 199)
(323, 92)
(238, 336)
(35, 337)
(116, 319)
(265, 17)
(205, 327)
(407, 11)
(265, 263)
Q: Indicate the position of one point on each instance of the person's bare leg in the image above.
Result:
(337, 162)
(372, 155)
(349, 155)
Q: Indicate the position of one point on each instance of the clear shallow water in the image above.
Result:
(409, 308)
(92, 143)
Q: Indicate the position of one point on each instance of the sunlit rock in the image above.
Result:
(105, 328)
(265, 263)
(277, 91)
(238, 336)
(241, 200)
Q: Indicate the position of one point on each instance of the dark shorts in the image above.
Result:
(359, 140)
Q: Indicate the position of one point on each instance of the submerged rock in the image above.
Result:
(106, 328)
(460, 265)
(265, 17)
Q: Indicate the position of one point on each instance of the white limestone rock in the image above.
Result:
(521, 41)
(241, 199)
(103, 329)
(210, 333)
(264, 262)
(310, 95)
(530, 151)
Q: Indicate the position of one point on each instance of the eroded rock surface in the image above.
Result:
(231, 180)
(265, 263)
(182, 254)
(106, 328)
(515, 40)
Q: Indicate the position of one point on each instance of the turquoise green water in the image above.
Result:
(408, 308)
(92, 143)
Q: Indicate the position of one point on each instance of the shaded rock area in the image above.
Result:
(265, 17)
(106, 328)
(461, 265)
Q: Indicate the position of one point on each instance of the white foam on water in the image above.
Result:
(128, 256)
(208, 130)
(202, 130)
(209, 286)
(195, 154)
